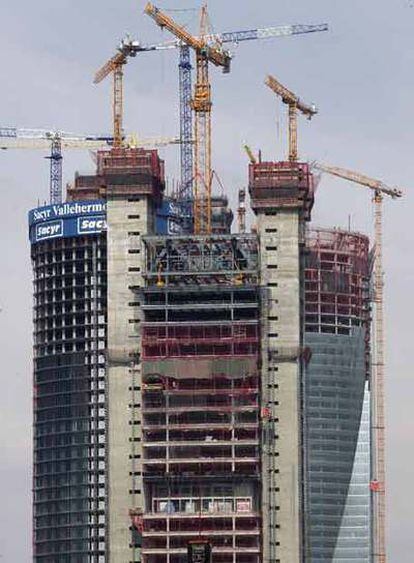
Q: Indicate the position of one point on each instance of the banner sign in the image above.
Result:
(169, 218)
(78, 218)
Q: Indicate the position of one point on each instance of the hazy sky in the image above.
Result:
(359, 74)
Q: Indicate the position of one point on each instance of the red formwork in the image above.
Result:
(123, 171)
(129, 160)
(275, 185)
(169, 340)
(200, 437)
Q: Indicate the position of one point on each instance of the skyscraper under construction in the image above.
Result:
(198, 392)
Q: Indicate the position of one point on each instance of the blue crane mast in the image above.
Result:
(186, 135)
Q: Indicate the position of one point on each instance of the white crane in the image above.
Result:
(56, 141)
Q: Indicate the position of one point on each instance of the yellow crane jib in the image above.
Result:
(249, 152)
(109, 66)
(357, 178)
(218, 57)
(289, 97)
(115, 66)
(294, 103)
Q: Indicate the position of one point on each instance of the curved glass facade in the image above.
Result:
(69, 398)
(336, 404)
(353, 543)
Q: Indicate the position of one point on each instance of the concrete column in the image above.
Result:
(281, 340)
(128, 219)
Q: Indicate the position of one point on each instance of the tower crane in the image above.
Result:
(294, 104)
(201, 104)
(377, 385)
(57, 141)
(130, 48)
(115, 65)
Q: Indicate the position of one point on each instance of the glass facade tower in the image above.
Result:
(336, 398)
(353, 542)
(69, 267)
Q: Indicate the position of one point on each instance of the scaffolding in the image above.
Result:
(337, 273)
(120, 172)
(200, 399)
(201, 260)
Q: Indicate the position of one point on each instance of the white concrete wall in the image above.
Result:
(280, 274)
(125, 220)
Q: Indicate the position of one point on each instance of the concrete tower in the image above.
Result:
(282, 197)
